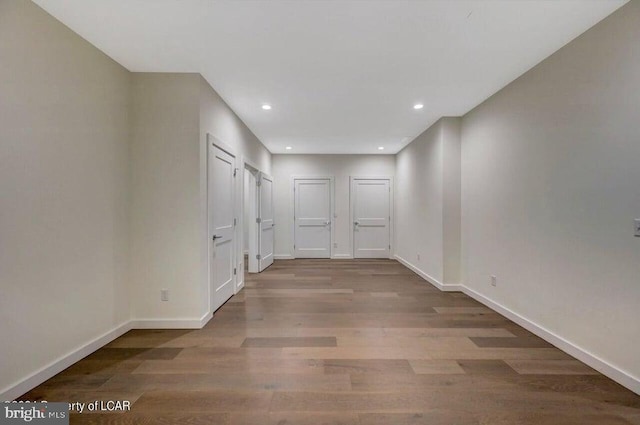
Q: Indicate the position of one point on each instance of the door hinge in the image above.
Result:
(259, 183)
(235, 171)
(235, 221)
(258, 220)
(258, 257)
(389, 246)
(235, 271)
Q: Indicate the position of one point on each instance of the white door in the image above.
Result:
(371, 206)
(221, 187)
(312, 218)
(252, 227)
(265, 219)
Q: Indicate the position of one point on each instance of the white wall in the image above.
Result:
(550, 190)
(64, 176)
(427, 203)
(339, 166)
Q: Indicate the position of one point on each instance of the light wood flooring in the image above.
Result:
(363, 342)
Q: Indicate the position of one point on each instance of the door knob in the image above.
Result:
(356, 223)
(216, 237)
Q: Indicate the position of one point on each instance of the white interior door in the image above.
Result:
(221, 187)
(266, 224)
(312, 218)
(252, 227)
(371, 206)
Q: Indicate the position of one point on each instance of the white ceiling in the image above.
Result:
(342, 76)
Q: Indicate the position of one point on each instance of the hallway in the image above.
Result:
(342, 342)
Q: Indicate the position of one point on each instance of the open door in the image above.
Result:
(265, 221)
(250, 224)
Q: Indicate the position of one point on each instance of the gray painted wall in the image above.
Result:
(428, 202)
(550, 190)
(64, 191)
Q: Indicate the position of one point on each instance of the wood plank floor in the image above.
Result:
(362, 342)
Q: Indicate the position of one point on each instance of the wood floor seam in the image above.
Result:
(343, 342)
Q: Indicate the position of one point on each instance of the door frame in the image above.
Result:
(253, 214)
(391, 215)
(262, 175)
(292, 211)
(212, 140)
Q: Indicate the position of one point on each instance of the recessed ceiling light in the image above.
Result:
(288, 148)
(418, 106)
(380, 148)
(266, 107)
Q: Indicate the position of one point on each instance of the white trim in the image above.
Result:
(342, 257)
(55, 367)
(185, 323)
(253, 231)
(15, 390)
(283, 257)
(620, 376)
(292, 206)
(264, 259)
(391, 212)
(448, 287)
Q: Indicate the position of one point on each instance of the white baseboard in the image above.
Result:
(208, 316)
(342, 257)
(620, 376)
(239, 286)
(17, 389)
(445, 287)
(283, 257)
(169, 323)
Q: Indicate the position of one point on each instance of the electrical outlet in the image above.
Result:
(636, 223)
(494, 280)
(164, 295)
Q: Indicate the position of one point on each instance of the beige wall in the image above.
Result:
(103, 190)
(218, 120)
(339, 166)
(172, 115)
(550, 191)
(165, 232)
(428, 203)
(64, 178)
